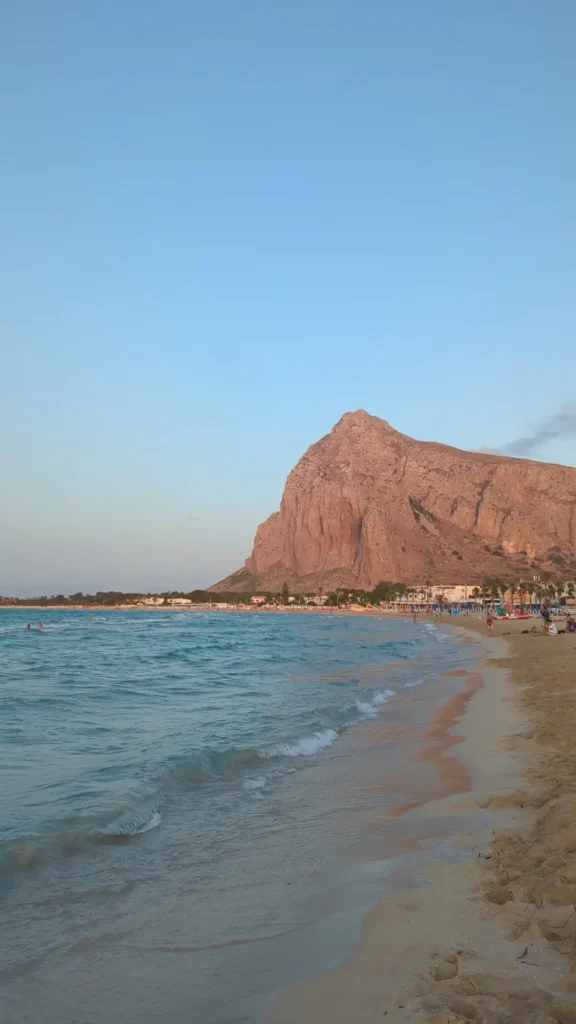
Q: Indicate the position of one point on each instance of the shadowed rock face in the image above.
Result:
(366, 503)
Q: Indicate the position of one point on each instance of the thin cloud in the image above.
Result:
(561, 424)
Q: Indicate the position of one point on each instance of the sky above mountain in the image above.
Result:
(225, 224)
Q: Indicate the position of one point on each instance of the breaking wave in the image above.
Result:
(305, 747)
(144, 814)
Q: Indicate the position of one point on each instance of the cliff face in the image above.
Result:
(366, 504)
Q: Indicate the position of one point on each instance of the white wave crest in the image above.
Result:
(366, 708)
(152, 822)
(369, 708)
(254, 784)
(305, 747)
(383, 697)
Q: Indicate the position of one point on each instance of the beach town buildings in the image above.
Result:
(454, 593)
(461, 593)
(428, 593)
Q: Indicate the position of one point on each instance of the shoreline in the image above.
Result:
(297, 821)
(206, 607)
(474, 940)
(479, 923)
(435, 618)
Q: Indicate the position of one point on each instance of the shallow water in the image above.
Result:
(191, 802)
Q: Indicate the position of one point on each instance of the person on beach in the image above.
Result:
(490, 623)
(545, 613)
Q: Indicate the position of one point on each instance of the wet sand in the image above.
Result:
(488, 933)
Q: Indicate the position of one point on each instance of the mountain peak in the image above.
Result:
(368, 504)
(361, 418)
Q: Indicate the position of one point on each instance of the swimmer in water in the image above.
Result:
(40, 625)
(28, 626)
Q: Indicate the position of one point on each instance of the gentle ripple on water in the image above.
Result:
(103, 718)
(173, 780)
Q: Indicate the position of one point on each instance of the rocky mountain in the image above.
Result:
(366, 503)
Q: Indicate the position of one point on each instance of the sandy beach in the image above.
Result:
(488, 932)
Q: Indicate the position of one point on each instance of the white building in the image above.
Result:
(454, 592)
(427, 593)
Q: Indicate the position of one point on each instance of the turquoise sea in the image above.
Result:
(188, 800)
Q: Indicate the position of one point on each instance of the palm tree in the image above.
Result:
(524, 592)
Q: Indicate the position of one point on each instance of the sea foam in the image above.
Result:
(154, 822)
(370, 708)
(305, 747)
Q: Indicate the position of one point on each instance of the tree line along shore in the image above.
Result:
(489, 591)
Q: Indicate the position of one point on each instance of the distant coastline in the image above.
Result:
(278, 609)
(385, 595)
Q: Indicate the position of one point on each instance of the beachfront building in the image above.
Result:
(152, 601)
(429, 593)
(454, 593)
(258, 599)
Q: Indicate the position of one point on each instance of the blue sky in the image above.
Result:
(225, 224)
